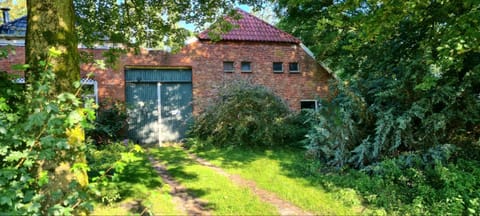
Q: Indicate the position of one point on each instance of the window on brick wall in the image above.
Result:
(228, 67)
(246, 67)
(293, 67)
(89, 88)
(308, 104)
(277, 67)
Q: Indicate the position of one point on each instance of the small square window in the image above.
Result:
(228, 66)
(246, 67)
(308, 104)
(277, 67)
(293, 67)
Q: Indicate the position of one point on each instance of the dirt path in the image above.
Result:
(184, 201)
(283, 207)
(193, 206)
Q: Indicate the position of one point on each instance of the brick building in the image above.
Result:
(163, 89)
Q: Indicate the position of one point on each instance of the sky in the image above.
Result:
(188, 26)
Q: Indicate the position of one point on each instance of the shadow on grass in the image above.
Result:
(176, 160)
(138, 178)
(292, 163)
(230, 157)
(129, 188)
(179, 173)
(136, 207)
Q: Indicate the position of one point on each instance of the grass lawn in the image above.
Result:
(139, 187)
(280, 172)
(223, 197)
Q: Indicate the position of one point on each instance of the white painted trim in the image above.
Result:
(83, 81)
(20, 80)
(19, 42)
(294, 71)
(310, 100)
(310, 53)
(159, 106)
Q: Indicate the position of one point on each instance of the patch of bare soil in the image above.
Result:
(184, 201)
(283, 207)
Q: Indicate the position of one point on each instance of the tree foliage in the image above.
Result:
(135, 23)
(40, 131)
(18, 8)
(412, 68)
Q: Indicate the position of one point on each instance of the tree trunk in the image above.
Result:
(51, 24)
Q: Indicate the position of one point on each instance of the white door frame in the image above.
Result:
(159, 107)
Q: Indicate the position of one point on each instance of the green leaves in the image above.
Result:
(43, 178)
(151, 24)
(245, 114)
(409, 69)
(108, 166)
(20, 67)
(16, 156)
(33, 126)
(53, 52)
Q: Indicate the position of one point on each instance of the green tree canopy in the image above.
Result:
(137, 22)
(18, 8)
(411, 68)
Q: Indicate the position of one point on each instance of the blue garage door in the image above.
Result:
(159, 104)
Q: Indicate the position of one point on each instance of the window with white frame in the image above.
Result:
(308, 104)
(278, 67)
(89, 88)
(228, 67)
(293, 67)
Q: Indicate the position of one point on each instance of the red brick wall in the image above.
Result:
(16, 56)
(206, 60)
(208, 74)
(111, 81)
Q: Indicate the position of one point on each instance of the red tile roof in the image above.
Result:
(251, 28)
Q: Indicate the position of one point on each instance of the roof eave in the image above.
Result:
(260, 41)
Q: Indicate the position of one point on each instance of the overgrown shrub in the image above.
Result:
(335, 130)
(347, 130)
(436, 189)
(110, 120)
(431, 183)
(107, 164)
(244, 114)
(415, 85)
(41, 132)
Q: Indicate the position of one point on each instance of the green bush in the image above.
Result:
(41, 131)
(109, 123)
(411, 184)
(343, 132)
(244, 114)
(437, 190)
(107, 165)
